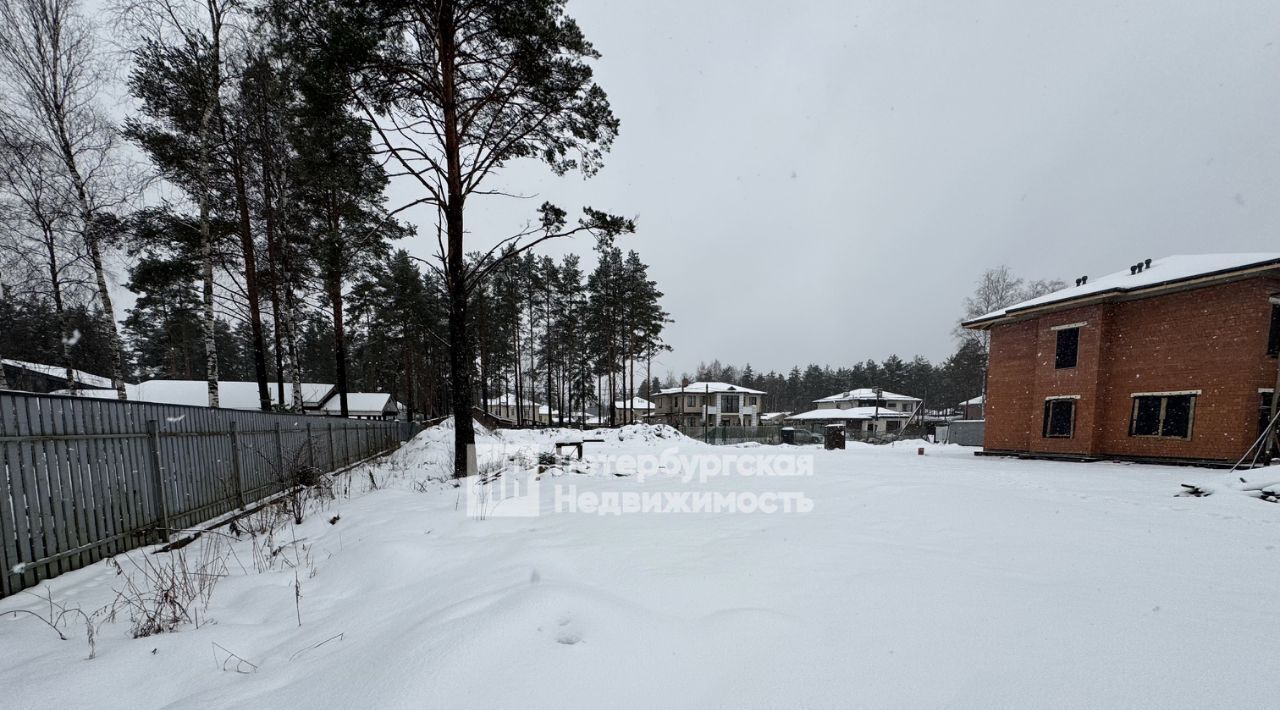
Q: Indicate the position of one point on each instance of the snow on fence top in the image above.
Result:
(1165, 271)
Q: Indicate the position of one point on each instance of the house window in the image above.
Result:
(1059, 418)
(1068, 348)
(1273, 338)
(728, 404)
(892, 425)
(690, 401)
(1163, 415)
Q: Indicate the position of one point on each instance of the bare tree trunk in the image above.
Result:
(460, 353)
(334, 282)
(208, 323)
(247, 250)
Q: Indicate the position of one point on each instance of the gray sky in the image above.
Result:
(826, 183)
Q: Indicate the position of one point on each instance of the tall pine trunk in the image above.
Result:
(64, 325)
(333, 282)
(251, 286)
(464, 435)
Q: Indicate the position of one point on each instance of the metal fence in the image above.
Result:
(966, 432)
(734, 434)
(84, 479)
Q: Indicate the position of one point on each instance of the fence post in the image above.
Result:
(333, 450)
(311, 447)
(281, 472)
(153, 446)
(235, 461)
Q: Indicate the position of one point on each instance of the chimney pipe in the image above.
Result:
(1084, 279)
(1148, 263)
(1133, 269)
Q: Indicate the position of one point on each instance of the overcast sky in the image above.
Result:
(825, 183)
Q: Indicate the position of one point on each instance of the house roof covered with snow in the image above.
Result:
(867, 393)
(1169, 272)
(231, 394)
(709, 388)
(509, 400)
(636, 403)
(363, 404)
(975, 400)
(851, 413)
(81, 377)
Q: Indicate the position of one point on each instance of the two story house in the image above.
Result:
(708, 404)
(866, 410)
(1169, 359)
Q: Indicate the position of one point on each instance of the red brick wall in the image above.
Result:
(1211, 339)
(1010, 387)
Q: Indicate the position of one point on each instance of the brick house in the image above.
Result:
(1172, 359)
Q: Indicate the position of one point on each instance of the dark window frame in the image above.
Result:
(1162, 416)
(1070, 338)
(1052, 404)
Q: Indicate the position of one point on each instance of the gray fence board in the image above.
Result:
(81, 479)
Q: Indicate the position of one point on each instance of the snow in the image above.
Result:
(851, 413)
(82, 377)
(1169, 269)
(867, 393)
(231, 394)
(361, 404)
(975, 400)
(709, 388)
(915, 581)
(636, 404)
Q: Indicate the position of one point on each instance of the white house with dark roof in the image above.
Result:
(867, 410)
(708, 404)
(869, 397)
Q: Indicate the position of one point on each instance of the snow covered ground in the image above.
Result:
(914, 581)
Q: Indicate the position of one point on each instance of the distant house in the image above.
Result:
(869, 397)
(505, 407)
(865, 420)
(773, 417)
(1173, 359)
(547, 415)
(971, 409)
(40, 378)
(708, 404)
(867, 410)
(363, 405)
(635, 410)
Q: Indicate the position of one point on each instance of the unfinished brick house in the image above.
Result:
(1172, 359)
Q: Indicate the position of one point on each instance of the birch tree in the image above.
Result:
(50, 84)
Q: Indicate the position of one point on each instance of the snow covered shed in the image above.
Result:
(1167, 359)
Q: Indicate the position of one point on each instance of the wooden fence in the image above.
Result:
(84, 479)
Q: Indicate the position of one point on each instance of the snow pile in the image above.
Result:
(914, 581)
